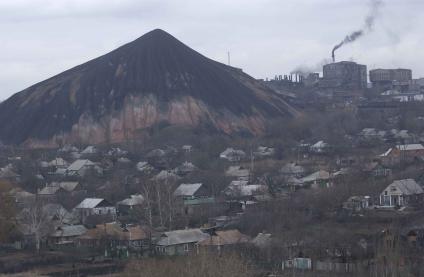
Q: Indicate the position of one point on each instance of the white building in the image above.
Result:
(401, 193)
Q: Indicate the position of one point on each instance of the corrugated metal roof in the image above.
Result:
(187, 189)
(89, 203)
(407, 186)
(49, 190)
(69, 231)
(78, 164)
(181, 237)
(319, 175)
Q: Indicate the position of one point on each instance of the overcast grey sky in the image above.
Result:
(40, 38)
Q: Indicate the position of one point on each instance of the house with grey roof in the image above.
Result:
(51, 193)
(80, 167)
(58, 163)
(179, 242)
(65, 236)
(239, 172)
(89, 150)
(190, 191)
(129, 204)
(293, 169)
(94, 206)
(185, 168)
(232, 155)
(401, 193)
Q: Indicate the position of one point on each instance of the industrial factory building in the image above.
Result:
(345, 75)
(389, 79)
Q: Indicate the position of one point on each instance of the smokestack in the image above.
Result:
(368, 26)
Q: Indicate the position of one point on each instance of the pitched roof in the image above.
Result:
(69, 186)
(166, 175)
(89, 150)
(292, 168)
(78, 164)
(187, 189)
(319, 175)
(181, 237)
(407, 186)
(237, 171)
(320, 144)
(262, 240)
(410, 147)
(69, 231)
(226, 237)
(231, 152)
(114, 229)
(58, 162)
(241, 188)
(49, 190)
(90, 203)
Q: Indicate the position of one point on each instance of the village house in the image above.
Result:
(318, 179)
(376, 169)
(89, 150)
(224, 239)
(7, 173)
(238, 172)
(51, 194)
(263, 151)
(132, 203)
(80, 168)
(357, 203)
(401, 193)
(369, 134)
(65, 236)
(402, 153)
(56, 163)
(187, 148)
(292, 170)
(114, 236)
(94, 206)
(22, 197)
(166, 176)
(319, 147)
(58, 215)
(194, 201)
(185, 168)
(240, 189)
(299, 263)
(144, 167)
(60, 190)
(68, 149)
(116, 152)
(292, 184)
(191, 191)
(262, 240)
(180, 242)
(233, 155)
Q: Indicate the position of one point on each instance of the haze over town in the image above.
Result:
(212, 138)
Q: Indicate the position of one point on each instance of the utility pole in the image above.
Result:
(229, 60)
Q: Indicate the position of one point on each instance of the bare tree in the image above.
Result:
(148, 196)
(35, 221)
